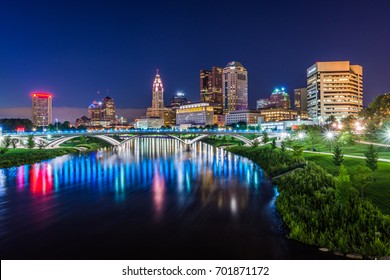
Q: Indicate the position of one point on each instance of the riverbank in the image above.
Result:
(17, 157)
(320, 209)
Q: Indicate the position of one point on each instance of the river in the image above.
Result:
(151, 200)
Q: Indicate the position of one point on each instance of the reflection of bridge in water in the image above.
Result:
(119, 139)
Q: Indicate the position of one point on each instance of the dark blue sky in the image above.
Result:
(75, 48)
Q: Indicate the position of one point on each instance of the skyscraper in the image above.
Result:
(235, 87)
(300, 99)
(157, 92)
(205, 86)
(278, 99)
(334, 88)
(216, 89)
(157, 109)
(42, 108)
(108, 109)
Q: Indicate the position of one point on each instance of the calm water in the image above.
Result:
(150, 201)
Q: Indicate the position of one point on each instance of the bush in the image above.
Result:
(321, 210)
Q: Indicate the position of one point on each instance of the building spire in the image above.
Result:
(157, 71)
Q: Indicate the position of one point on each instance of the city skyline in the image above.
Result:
(272, 51)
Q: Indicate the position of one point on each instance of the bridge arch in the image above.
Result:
(237, 136)
(56, 143)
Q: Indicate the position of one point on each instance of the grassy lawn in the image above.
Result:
(379, 193)
(355, 150)
(17, 157)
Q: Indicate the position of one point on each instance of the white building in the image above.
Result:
(334, 88)
(149, 123)
(195, 114)
(234, 87)
(247, 116)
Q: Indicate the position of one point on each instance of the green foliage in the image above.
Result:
(30, 142)
(265, 138)
(313, 136)
(256, 143)
(343, 185)
(3, 150)
(297, 152)
(283, 146)
(371, 158)
(273, 144)
(346, 138)
(338, 157)
(310, 204)
(362, 178)
(322, 210)
(26, 156)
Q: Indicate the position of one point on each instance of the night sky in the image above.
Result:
(76, 48)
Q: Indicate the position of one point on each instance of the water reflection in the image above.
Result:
(203, 200)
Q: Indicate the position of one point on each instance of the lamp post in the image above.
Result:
(57, 124)
(329, 135)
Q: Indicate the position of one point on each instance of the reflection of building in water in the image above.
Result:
(214, 171)
(158, 190)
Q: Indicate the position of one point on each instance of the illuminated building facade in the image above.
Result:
(195, 114)
(300, 99)
(157, 109)
(178, 100)
(42, 113)
(108, 109)
(234, 87)
(334, 88)
(211, 88)
(205, 86)
(278, 99)
(248, 116)
(280, 114)
(149, 122)
(102, 113)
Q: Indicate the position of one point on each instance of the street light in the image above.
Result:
(330, 135)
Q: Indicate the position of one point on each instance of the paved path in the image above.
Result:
(350, 156)
(373, 143)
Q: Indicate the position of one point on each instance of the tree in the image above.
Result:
(7, 141)
(371, 158)
(283, 146)
(362, 178)
(265, 137)
(273, 144)
(313, 137)
(256, 143)
(343, 185)
(30, 142)
(346, 138)
(338, 157)
(297, 152)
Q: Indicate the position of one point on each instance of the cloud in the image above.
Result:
(66, 113)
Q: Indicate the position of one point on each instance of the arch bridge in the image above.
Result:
(49, 141)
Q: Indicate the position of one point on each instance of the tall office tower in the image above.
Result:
(158, 93)
(300, 99)
(334, 88)
(42, 108)
(278, 99)
(157, 109)
(216, 87)
(235, 87)
(108, 109)
(179, 100)
(205, 86)
(95, 111)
